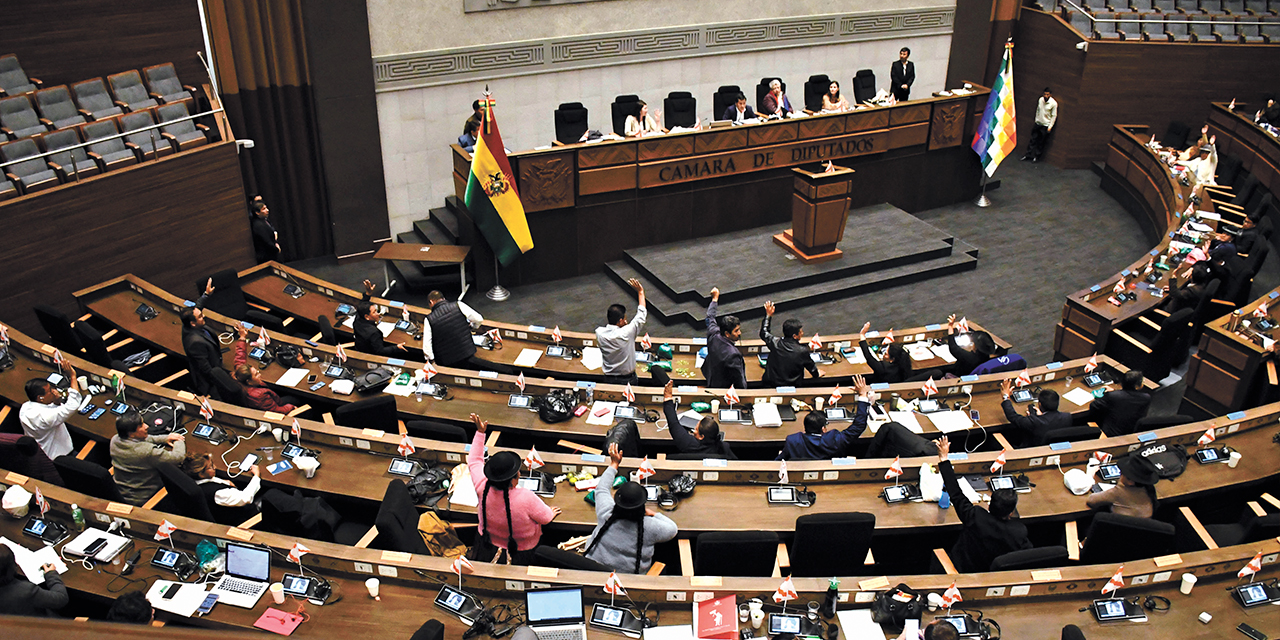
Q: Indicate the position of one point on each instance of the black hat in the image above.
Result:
(503, 466)
(1138, 469)
(629, 499)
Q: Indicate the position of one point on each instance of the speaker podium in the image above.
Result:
(819, 210)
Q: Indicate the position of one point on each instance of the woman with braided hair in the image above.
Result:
(513, 519)
(626, 530)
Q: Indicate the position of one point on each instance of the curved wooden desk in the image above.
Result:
(1259, 151)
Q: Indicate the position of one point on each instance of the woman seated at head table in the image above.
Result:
(832, 100)
(642, 123)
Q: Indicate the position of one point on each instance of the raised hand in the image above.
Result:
(481, 425)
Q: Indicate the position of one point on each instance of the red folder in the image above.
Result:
(716, 619)
(277, 621)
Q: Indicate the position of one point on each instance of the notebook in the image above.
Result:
(556, 614)
(247, 578)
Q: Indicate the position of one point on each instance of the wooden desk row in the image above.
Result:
(1259, 151)
(1231, 368)
(354, 463)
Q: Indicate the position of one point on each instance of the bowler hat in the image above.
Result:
(503, 466)
(629, 499)
(1138, 469)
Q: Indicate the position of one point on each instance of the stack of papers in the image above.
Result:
(592, 358)
(950, 421)
(1078, 396)
(386, 328)
(906, 419)
(765, 414)
(402, 390)
(462, 491)
(944, 352)
(856, 624)
(31, 561)
(184, 602)
(920, 351)
(606, 417)
(292, 377)
(528, 357)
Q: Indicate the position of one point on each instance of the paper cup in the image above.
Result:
(817, 402)
(1234, 459)
(307, 465)
(935, 602)
(277, 592)
(278, 433)
(715, 406)
(1188, 581)
(372, 585)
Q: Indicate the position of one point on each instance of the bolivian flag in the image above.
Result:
(491, 193)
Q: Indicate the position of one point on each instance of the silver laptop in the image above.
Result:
(248, 576)
(556, 614)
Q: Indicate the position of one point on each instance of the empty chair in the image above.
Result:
(108, 152)
(1156, 355)
(146, 141)
(1129, 26)
(735, 553)
(1106, 27)
(7, 190)
(548, 556)
(1069, 434)
(57, 326)
(95, 349)
(1271, 29)
(723, 98)
(1027, 559)
(18, 119)
(1203, 310)
(162, 80)
(182, 135)
(1202, 31)
(185, 497)
(864, 86)
(127, 87)
(1151, 423)
(32, 175)
(13, 80)
(1187, 6)
(1250, 528)
(327, 336)
(1081, 22)
(831, 544)
(95, 103)
(814, 87)
(73, 163)
(87, 478)
(762, 90)
(1249, 30)
(1163, 6)
(1228, 170)
(57, 110)
(1225, 27)
(1255, 7)
(623, 106)
(378, 412)
(571, 122)
(228, 299)
(1175, 135)
(1115, 538)
(1234, 7)
(1211, 6)
(432, 430)
(1141, 6)
(397, 521)
(1176, 27)
(679, 109)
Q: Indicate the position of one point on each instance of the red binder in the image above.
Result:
(716, 619)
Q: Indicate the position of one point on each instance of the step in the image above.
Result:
(447, 217)
(429, 232)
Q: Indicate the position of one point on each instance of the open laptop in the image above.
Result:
(247, 578)
(556, 614)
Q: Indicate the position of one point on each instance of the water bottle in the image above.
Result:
(77, 516)
(829, 602)
(944, 502)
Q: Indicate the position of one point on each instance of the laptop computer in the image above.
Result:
(247, 578)
(556, 614)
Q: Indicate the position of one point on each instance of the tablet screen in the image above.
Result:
(730, 415)
(782, 494)
(532, 484)
(556, 351)
(1002, 482)
(334, 371)
(36, 527)
(895, 493)
(519, 401)
(296, 585)
(624, 412)
(257, 353)
(1253, 594)
(1207, 455)
(402, 467)
(651, 492)
(292, 451)
(607, 616)
(961, 623)
(166, 558)
(836, 413)
(1109, 609)
(204, 430)
(783, 623)
(1109, 472)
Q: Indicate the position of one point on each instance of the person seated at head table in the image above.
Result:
(706, 439)
(788, 355)
(1117, 412)
(43, 416)
(642, 123)
(1042, 416)
(469, 136)
(776, 102)
(1135, 490)
(260, 396)
(739, 111)
(19, 597)
(365, 327)
(626, 530)
(135, 456)
(513, 521)
(987, 533)
(228, 503)
(894, 365)
(819, 441)
(131, 608)
(832, 100)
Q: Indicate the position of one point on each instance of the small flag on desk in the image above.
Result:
(731, 396)
(459, 564)
(57, 357)
(613, 586)
(532, 459)
(1254, 566)
(1261, 311)
(1116, 581)
(835, 396)
(895, 469)
(41, 503)
(998, 465)
(1102, 456)
(4, 334)
(555, 334)
(296, 429)
(342, 354)
(646, 470)
(1232, 106)
(494, 335)
(815, 342)
(430, 369)
(206, 409)
(520, 381)
(930, 387)
(1024, 378)
(963, 325)
(783, 477)
(165, 530)
(645, 342)
(1119, 288)
(406, 447)
(629, 394)
(786, 591)
(1092, 364)
(296, 553)
(1207, 437)
(951, 596)
(264, 339)
(888, 338)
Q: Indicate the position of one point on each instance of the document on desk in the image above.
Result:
(292, 377)
(920, 351)
(856, 624)
(31, 561)
(463, 492)
(671, 632)
(1079, 396)
(402, 390)
(528, 357)
(943, 351)
(386, 328)
(951, 421)
(907, 419)
(601, 413)
(349, 322)
(592, 358)
(188, 598)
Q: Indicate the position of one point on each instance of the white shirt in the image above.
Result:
(1046, 112)
(231, 496)
(45, 423)
(470, 314)
(618, 344)
(1204, 170)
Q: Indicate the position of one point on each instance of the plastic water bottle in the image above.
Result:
(77, 516)
(944, 502)
(829, 602)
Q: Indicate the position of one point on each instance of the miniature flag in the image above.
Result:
(296, 429)
(815, 342)
(998, 465)
(963, 325)
(1261, 311)
(263, 338)
(494, 335)
(1116, 581)
(783, 477)
(206, 409)
(830, 167)
(1232, 106)
(612, 586)
(629, 394)
(532, 459)
(520, 381)
(1254, 566)
(1119, 288)
(296, 553)
(406, 447)
(460, 563)
(786, 591)
(342, 354)
(951, 596)
(1207, 437)
(165, 530)
(895, 469)
(555, 334)
(57, 357)
(1102, 456)
(41, 502)
(1092, 364)
(731, 396)
(646, 469)
(4, 334)
(835, 396)
(930, 387)
(888, 338)
(645, 342)
(117, 383)
(430, 369)
(1024, 378)
(404, 313)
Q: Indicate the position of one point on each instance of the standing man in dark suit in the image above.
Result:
(1042, 417)
(365, 326)
(723, 366)
(788, 356)
(902, 75)
(266, 242)
(1116, 412)
(987, 532)
(204, 352)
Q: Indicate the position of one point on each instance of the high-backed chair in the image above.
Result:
(1176, 27)
(57, 109)
(181, 134)
(129, 91)
(229, 389)
(1105, 26)
(571, 122)
(32, 175)
(1130, 26)
(723, 98)
(1154, 355)
(327, 335)
(1141, 6)
(57, 326)
(623, 106)
(1203, 310)
(95, 349)
(18, 119)
(378, 412)
(679, 109)
(864, 86)
(762, 89)
(735, 553)
(1080, 22)
(814, 87)
(228, 299)
(1228, 170)
(397, 521)
(432, 430)
(149, 142)
(1027, 559)
(1202, 30)
(1151, 423)
(1235, 7)
(1211, 6)
(94, 101)
(1270, 28)
(548, 556)
(1187, 6)
(1115, 538)
(1254, 525)
(73, 163)
(831, 544)
(13, 79)
(7, 189)
(1175, 135)
(1163, 6)
(163, 84)
(1225, 27)
(1069, 434)
(185, 497)
(107, 151)
(87, 478)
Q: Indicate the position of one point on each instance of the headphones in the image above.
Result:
(1152, 603)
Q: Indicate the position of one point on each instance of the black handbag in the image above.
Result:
(892, 608)
(1170, 460)
(374, 380)
(556, 406)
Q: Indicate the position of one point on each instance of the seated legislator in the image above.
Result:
(135, 456)
(1245, 240)
(626, 530)
(723, 366)
(788, 355)
(201, 346)
(1135, 490)
(1188, 295)
(832, 100)
(643, 123)
(894, 364)
(513, 521)
(819, 442)
(1203, 168)
(260, 396)
(21, 453)
(44, 414)
(706, 439)
(987, 533)
(1042, 417)
(446, 335)
(970, 349)
(227, 502)
(20, 597)
(1117, 412)
(776, 102)
(468, 138)
(739, 111)
(617, 339)
(365, 327)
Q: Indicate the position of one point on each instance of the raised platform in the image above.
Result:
(883, 247)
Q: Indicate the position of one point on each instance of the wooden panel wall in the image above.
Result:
(1149, 83)
(64, 41)
(172, 222)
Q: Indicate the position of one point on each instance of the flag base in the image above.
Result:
(498, 293)
(982, 201)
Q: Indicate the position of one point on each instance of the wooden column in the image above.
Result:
(819, 210)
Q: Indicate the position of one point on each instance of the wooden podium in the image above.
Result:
(819, 210)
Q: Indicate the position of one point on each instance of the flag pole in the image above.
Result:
(497, 293)
(982, 200)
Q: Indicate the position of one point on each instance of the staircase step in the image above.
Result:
(447, 219)
(429, 232)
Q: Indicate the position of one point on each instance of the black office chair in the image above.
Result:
(228, 300)
(548, 556)
(1248, 529)
(95, 349)
(679, 109)
(185, 497)
(814, 87)
(1151, 423)
(571, 122)
(87, 478)
(1027, 559)
(1228, 170)
(722, 99)
(1069, 434)
(833, 544)
(864, 86)
(378, 413)
(307, 517)
(57, 326)
(1154, 355)
(230, 390)
(696, 456)
(432, 430)
(1175, 135)
(762, 89)
(1115, 538)
(1203, 313)
(623, 106)
(397, 521)
(430, 630)
(327, 335)
(735, 553)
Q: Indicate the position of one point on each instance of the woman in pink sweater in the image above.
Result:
(515, 513)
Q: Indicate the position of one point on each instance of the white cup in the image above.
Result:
(372, 585)
(278, 433)
(935, 601)
(744, 613)
(1188, 581)
(307, 464)
(277, 592)
(757, 612)
(817, 402)
(715, 407)
(1234, 459)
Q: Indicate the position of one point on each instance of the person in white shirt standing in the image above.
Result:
(44, 415)
(1046, 118)
(617, 340)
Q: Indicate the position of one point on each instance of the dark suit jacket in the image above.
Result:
(686, 442)
(788, 359)
(264, 239)
(204, 354)
(369, 338)
(891, 372)
(731, 113)
(21, 598)
(897, 78)
(966, 361)
(1034, 427)
(723, 366)
(984, 536)
(1116, 412)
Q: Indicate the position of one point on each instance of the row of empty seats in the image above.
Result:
(1120, 22)
(1186, 7)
